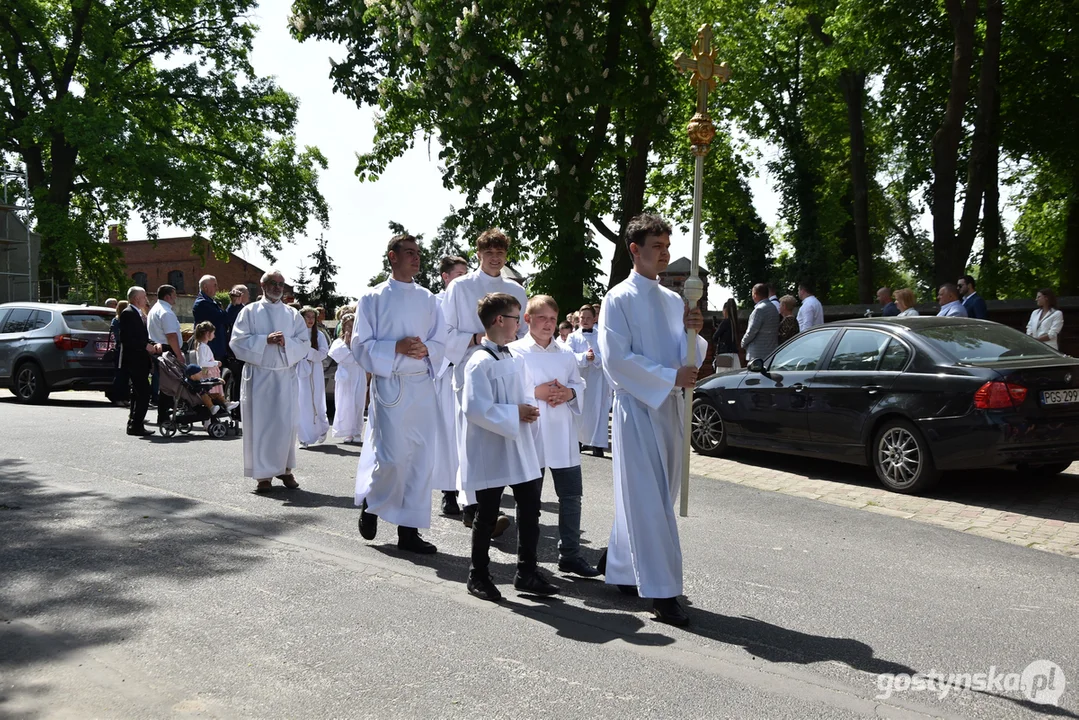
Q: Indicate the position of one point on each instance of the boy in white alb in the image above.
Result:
(451, 268)
(465, 331)
(498, 449)
(552, 371)
(642, 336)
(399, 337)
(596, 404)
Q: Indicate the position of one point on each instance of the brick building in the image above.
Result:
(674, 277)
(176, 262)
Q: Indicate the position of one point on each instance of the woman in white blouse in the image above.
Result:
(904, 300)
(1047, 321)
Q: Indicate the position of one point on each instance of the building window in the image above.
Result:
(139, 279)
(176, 279)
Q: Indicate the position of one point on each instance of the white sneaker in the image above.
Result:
(303, 445)
(216, 409)
(348, 439)
(233, 405)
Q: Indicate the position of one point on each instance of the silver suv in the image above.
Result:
(46, 347)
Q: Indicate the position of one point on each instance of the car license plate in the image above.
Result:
(102, 346)
(1060, 397)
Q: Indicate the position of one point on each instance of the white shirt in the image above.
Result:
(206, 356)
(459, 308)
(556, 443)
(811, 314)
(162, 321)
(953, 309)
(496, 448)
(1050, 325)
(909, 312)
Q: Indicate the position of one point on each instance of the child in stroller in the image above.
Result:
(193, 401)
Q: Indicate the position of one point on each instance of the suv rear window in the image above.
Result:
(985, 343)
(89, 321)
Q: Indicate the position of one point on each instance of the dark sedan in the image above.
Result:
(911, 397)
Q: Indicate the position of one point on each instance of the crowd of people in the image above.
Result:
(774, 320)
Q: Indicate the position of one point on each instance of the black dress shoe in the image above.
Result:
(578, 566)
(533, 583)
(139, 432)
(597, 452)
(468, 515)
(630, 590)
(409, 539)
(449, 504)
(483, 588)
(601, 566)
(368, 523)
(501, 524)
(670, 611)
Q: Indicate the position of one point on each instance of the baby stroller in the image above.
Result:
(187, 407)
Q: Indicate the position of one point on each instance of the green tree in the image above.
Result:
(324, 286)
(150, 108)
(542, 110)
(301, 289)
(445, 242)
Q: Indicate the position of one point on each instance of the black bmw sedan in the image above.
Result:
(911, 397)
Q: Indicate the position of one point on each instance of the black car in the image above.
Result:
(911, 397)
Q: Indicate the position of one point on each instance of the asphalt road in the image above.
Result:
(144, 578)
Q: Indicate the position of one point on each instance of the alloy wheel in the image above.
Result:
(899, 457)
(26, 383)
(707, 427)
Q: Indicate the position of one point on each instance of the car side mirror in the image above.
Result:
(756, 365)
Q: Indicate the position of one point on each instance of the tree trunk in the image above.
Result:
(634, 183)
(1069, 273)
(946, 262)
(982, 153)
(988, 279)
(853, 84)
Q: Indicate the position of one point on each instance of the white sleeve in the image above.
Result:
(479, 406)
(1056, 324)
(246, 345)
(374, 355)
(641, 377)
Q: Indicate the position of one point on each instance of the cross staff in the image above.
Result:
(701, 131)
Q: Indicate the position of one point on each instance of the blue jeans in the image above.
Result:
(569, 487)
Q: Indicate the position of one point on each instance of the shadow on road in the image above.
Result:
(1052, 498)
(78, 565)
(58, 399)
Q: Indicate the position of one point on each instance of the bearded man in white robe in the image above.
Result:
(399, 337)
(270, 338)
(643, 343)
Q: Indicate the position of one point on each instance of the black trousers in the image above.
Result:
(140, 399)
(488, 503)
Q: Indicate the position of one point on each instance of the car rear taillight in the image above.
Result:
(69, 342)
(999, 396)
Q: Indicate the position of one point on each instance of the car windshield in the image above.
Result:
(89, 321)
(985, 343)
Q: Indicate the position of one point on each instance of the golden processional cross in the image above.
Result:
(701, 132)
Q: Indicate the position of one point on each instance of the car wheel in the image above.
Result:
(709, 436)
(1043, 469)
(28, 383)
(901, 457)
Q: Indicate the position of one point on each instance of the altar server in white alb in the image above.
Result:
(642, 338)
(465, 333)
(451, 268)
(551, 372)
(498, 449)
(400, 338)
(596, 405)
(270, 338)
(349, 385)
(311, 381)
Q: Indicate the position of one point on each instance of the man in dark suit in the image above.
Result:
(972, 301)
(238, 297)
(206, 309)
(135, 352)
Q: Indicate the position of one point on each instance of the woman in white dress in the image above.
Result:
(313, 425)
(350, 388)
(1047, 321)
(904, 300)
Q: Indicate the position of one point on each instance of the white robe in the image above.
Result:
(446, 467)
(311, 382)
(643, 339)
(397, 465)
(497, 448)
(556, 441)
(462, 322)
(596, 405)
(349, 392)
(268, 398)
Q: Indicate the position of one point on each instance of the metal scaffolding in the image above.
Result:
(14, 238)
